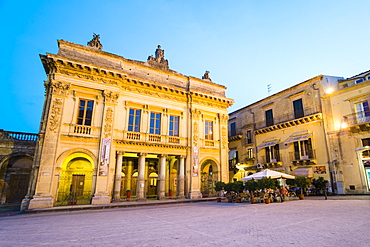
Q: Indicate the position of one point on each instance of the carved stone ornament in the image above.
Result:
(195, 134)
(56, 111)
(196, 113)
(224, 137)
(95, 42)
(110, 97)
(223, 118)
(158, 61)
(206, 76)
(60, 88)
(108, 123)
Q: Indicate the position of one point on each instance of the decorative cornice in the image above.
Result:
(57, 64)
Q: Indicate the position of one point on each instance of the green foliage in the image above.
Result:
(267, 183)
(220, 186)
(290, 182)
(251, 185)
(229, 187)
(320, 183)
(301, 182)
(238, 186)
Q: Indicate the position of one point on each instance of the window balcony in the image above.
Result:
(359, 121)
(81, 130)
(307, 158)
(287, 120)
(150, 138)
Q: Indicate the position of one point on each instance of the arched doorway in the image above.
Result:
(209, 177)
(76, 180)
(14, 179)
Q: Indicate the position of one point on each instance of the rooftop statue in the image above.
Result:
(158, 61)
(95, 42)
(206, 76)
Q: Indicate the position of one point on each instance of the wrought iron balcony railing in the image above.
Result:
(358, 118)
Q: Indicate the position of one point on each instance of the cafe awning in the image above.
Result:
(269, 142)
(304, 171)
(299, 136)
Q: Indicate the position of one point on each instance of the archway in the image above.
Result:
(14, 179)
(76, 180)
(209, 177)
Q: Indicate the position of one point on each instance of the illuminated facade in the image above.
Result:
(317, 128)
(114, 128)
(283, 132)
(348, 127)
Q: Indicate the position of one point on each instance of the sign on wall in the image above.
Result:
(104, 157)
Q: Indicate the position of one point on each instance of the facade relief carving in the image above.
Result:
(55, 114)
(108, 123)
(196, 114)
(110, 97)
(195, 134)
(224, 137)
(223, 118)
(59, 88)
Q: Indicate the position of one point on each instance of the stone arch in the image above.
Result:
(209, 174)
(62, 157)
(76, 177)
(15, 174)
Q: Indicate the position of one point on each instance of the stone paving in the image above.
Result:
(294, 223)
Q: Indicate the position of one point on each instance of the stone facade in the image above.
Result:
(300, 131)
(114, 128)
(16, 158)
(348, 129)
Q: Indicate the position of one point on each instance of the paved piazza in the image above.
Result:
(293, 223)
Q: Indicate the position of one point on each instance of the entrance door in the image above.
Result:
(77, 187)
(17, 187)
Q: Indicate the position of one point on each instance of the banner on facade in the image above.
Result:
(104, 157)
(195, 161)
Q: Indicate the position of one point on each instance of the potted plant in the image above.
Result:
(302, 183)
(320, 184)
(229, 187)
(266, 184)
(219, 186)
(251, 186)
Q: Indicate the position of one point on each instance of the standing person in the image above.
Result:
(283, 193)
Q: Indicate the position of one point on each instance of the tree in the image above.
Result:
(302, 183)
(320, 184)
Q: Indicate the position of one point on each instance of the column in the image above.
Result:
(140, 192)
(129, 174)
(162, 177)
(118, 177)
(181, 178)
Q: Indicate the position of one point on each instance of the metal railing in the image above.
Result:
(357, 118)
(289, 117)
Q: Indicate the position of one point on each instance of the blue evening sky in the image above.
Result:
(245, 45)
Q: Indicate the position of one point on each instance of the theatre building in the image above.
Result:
(114, 128)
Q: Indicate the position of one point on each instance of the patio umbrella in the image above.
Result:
(267, 173)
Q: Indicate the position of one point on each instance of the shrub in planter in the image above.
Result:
(251, 186)
(302, 183)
